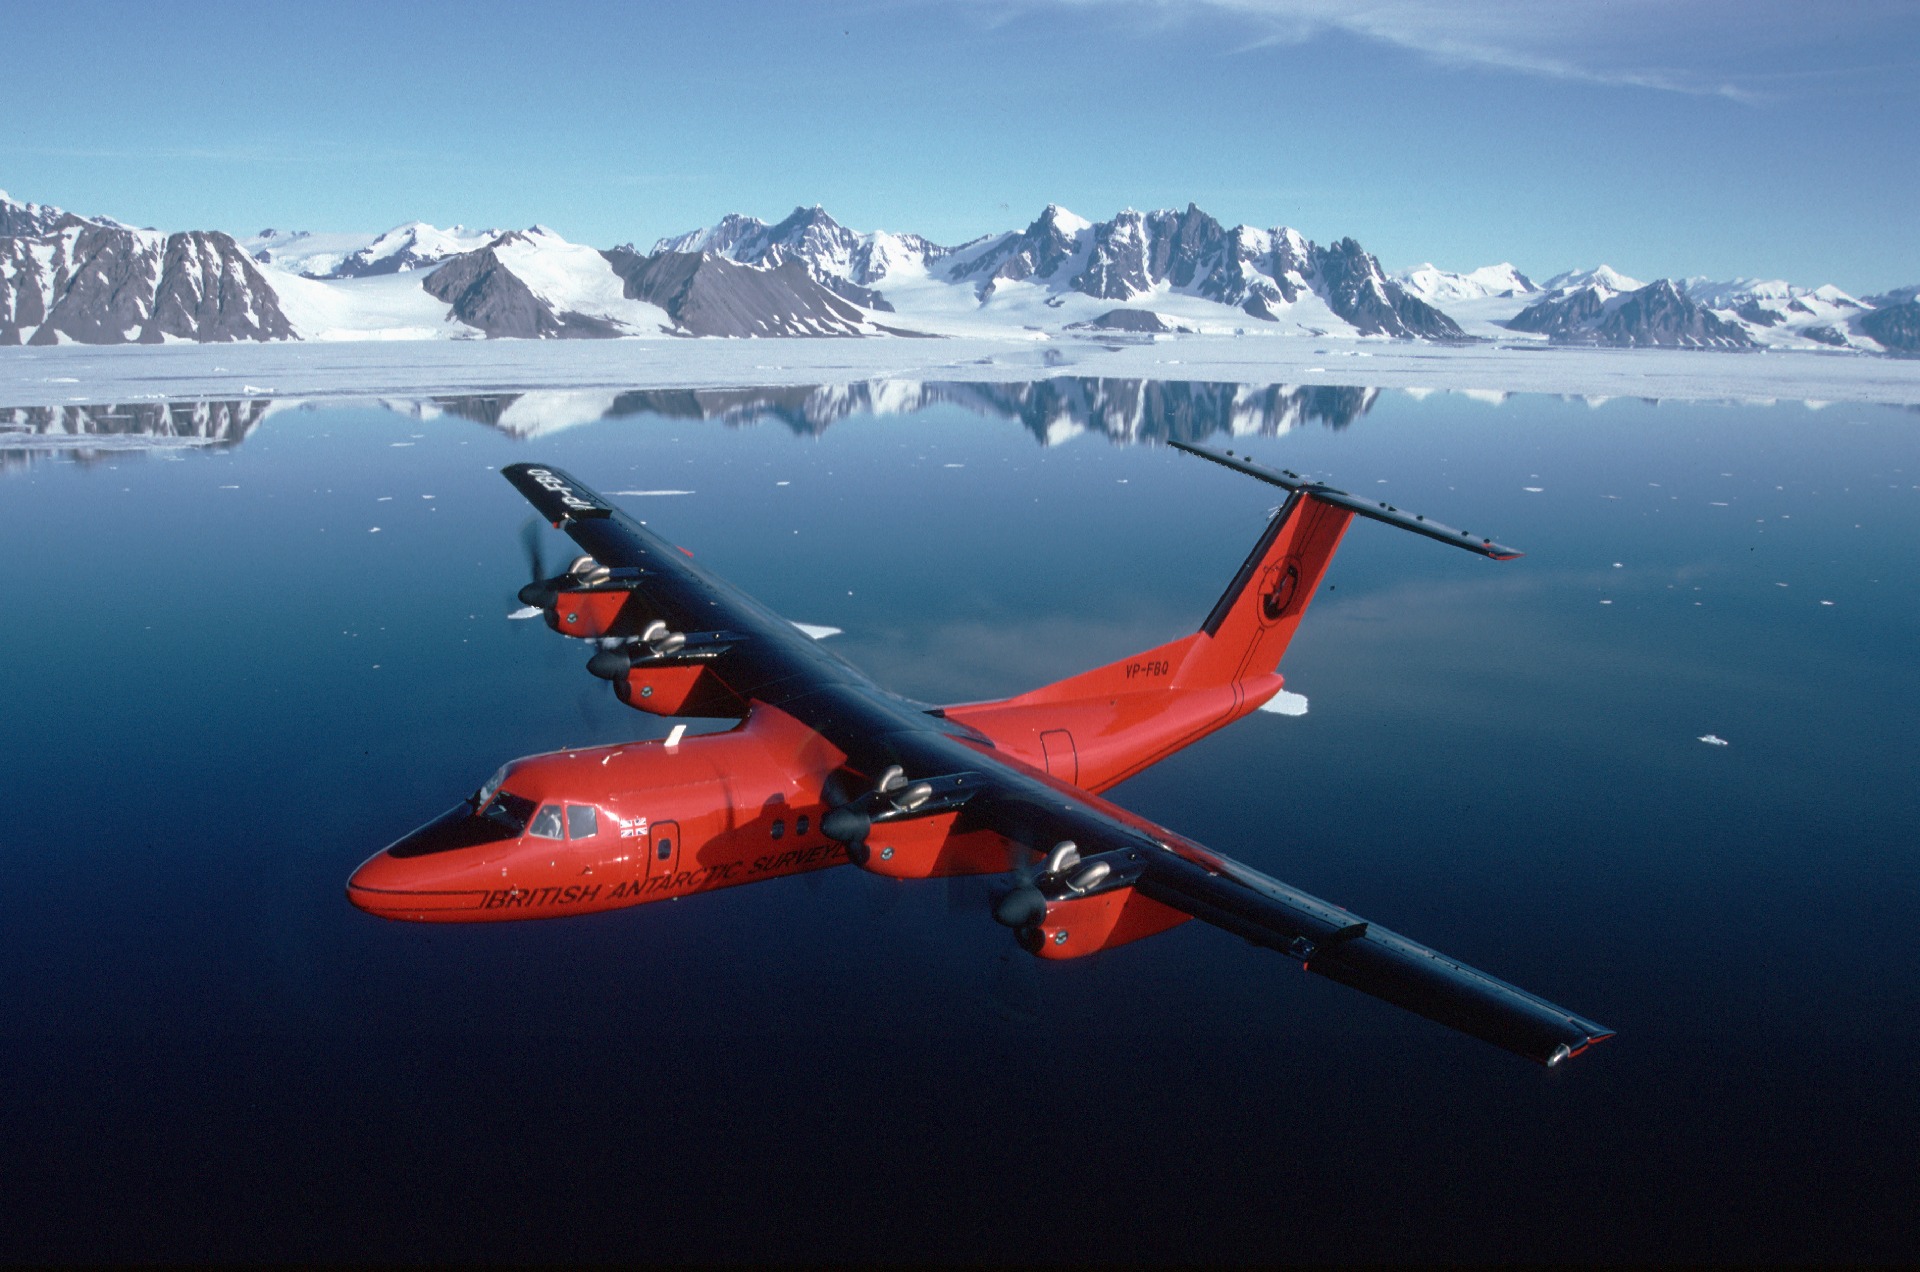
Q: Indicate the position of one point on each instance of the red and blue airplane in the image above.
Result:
(825, 767)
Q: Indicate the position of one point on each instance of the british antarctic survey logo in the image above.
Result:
(1282, 582)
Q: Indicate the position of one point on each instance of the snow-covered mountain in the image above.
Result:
(1439, 287)
(89, 282)
(30, 219)
(1158, 259)
(1898, 296)
(415, 245)
(1137, 275)
(706, 294)
(845, 261)
(1895, 327)
(1659, 314)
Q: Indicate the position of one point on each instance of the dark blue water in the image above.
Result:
(224, 689)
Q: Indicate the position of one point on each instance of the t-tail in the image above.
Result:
(1102, 726)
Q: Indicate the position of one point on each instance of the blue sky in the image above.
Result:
(1771, 137)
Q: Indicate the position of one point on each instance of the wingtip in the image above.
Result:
(1566, 1051)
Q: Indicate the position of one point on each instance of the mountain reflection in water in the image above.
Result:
(1053, 410)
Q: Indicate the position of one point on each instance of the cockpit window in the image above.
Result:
(581, 822)
(485, 793)
(509, 812)
(546, 823)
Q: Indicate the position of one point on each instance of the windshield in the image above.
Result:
(509, 812)
(485, 793)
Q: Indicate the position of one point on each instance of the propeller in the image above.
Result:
(851, 821)
(615, 661)
(1023, 905)
(539, 592)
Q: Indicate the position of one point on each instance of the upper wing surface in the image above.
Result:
(766, 656)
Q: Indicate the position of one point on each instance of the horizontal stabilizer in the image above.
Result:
(1286, 479)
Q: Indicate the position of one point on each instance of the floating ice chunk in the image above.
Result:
(399, 443)
(1533, 490)
(817, 631)
(1713, 740)
(1618, 566)
(943, 466)
(1286, 703)
(1826, 602)
(374, 530)
(229, 487)
(526, 611)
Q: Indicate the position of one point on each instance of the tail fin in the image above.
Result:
(1253, 622)
(1255, 618)
(1104, 725)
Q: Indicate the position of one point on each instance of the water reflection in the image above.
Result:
(1052, 410)
(103, 431)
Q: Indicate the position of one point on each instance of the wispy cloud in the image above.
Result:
(1718, 48)
(303, 154)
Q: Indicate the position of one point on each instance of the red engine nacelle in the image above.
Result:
(685, 690)
(928, 848)
(587, 614)
(1075, 927)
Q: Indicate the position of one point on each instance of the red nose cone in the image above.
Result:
(395, 888)
(425, 876)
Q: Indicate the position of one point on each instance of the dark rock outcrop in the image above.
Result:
(709, 295)
(489, 297)
(100, 285)
(210, 290)
(1659, 315)
(1140, 320)
(843, 261)
(1356, 288)
(1035, 252)
(1254, 271)
(1662, 316)
(31, 220)
(94, 283)
(1560, 314)
(1897, 327)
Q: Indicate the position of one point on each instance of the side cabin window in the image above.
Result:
(779, 827)
(546, 823)
(581, 822)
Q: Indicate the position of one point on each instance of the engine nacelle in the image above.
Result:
(1074, 927)
(929, 848)
(687, 689)
(587, 614)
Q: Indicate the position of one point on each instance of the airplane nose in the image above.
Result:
(416, 878)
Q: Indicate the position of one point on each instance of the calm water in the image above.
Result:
(224, 689)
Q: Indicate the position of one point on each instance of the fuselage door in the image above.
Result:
(1056, 745)
(663, 856)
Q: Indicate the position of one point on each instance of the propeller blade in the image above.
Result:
(530, 538)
